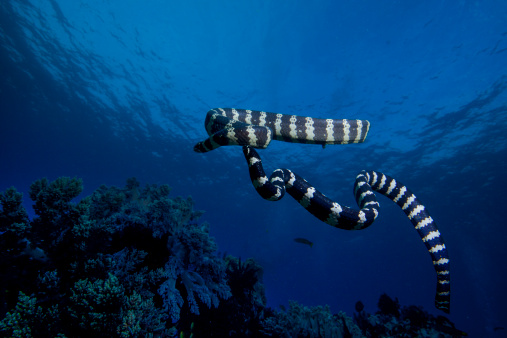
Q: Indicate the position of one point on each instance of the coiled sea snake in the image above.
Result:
(255, 129)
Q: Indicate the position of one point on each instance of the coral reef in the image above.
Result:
(135, 262)
(121, 262)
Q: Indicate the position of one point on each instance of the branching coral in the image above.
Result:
(140, 317)
(57, 216)
(14, 220)
(194, 264)
(29, 320)
(53, 199)
(96, 305)
(14, 227)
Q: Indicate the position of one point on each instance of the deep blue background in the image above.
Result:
(106, 90)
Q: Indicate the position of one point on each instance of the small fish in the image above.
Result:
(303, 241)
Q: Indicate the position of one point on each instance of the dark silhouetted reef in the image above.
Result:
(135, 262)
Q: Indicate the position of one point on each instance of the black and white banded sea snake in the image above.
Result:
(255, 129)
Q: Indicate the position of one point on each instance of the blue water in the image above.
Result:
(106, 90)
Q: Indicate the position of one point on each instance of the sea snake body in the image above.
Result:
(250, 128)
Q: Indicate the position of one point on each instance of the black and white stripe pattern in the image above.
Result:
(342, 217)
(255, 129)
(229, 126)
